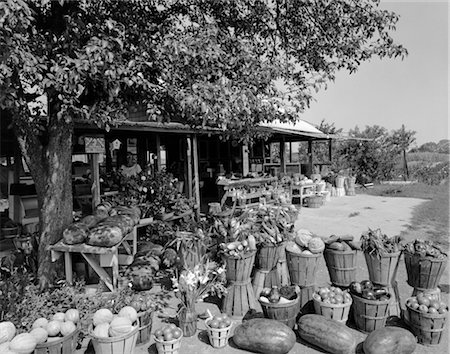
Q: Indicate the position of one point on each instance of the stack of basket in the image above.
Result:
(340, 190)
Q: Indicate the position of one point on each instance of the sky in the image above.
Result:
(392, 92)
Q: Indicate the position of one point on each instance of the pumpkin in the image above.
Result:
(332, 336)
(129, 312)
(59, 316)
(316, 245)
(40, 334)
(72, 315)
(7, 331)
(23, 343)
(67, 328)
(102, 316)
(263, 335)
(390, 340)
(303, 237)
(40, 323)
(120, 326)
(102, 330)
(53, 328)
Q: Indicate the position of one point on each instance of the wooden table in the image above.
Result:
(109, 257)
(301, 191)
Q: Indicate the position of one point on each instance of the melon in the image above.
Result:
(40, 334)
(72, 315)
(7, 331)
(303, 237)
(40, 323)
(129, 312)
(67, 328)
(102, 330)
(53, 328)
(53, 339)
(23, 343)
(293, 247)
(59, 316)
(102, 316)
(120, 326)
(316, 245)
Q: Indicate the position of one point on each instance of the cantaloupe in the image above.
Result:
(53, 328)
(120, 326)
(102, 316)
(23, 343)
(129, 312)
(40, 323)
(72, 315)
(59, 316)
(102, 330)
(67, 328)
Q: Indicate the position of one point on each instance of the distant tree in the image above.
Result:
(321, 151)
(428, 147)
(443, 146)
(403, 139)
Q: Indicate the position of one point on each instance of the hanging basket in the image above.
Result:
(370, 315)
(64, 345)
(424, 272)
(382, 267)
(341, 266)
(302, 268)
(285, 313)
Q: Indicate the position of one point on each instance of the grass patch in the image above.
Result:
(430, 220)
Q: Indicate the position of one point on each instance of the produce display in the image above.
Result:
(367, 290)
(106, 324)
(425, 249)
(329, 335)
(425, 303)
(238, 248)
(341, 243)
(262, 335)
(332, 295)
(168, 332)
(377, 243)
(305, 243)
(390, 340)
(284, 295)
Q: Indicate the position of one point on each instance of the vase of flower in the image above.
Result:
(187, 321)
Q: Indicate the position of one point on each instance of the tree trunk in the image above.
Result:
(50, 164)
(406, 164)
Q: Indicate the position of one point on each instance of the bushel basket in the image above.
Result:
(370, 315)
(424, 272)
(341, 266)
(168, 347)
(64, 345)
(285, 313)
(116, 345)
(382, 267)
(337, 312)
(302, 268)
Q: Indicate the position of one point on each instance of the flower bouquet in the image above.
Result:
(195, 284)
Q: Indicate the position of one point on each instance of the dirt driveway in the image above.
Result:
(340, 216)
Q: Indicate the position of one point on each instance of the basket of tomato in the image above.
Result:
(332, 303)
(218, 328)
(168, 339)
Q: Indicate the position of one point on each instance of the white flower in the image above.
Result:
(144, 189)
(143, 178)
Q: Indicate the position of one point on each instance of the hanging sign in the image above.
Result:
(94, 145)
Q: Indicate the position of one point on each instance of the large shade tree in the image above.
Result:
(226, 64)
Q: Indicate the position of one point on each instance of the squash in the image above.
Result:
(4, 347)
(59, 316)
(23, 343)
(41, 322)
(7, 331)
(102, 330)
(120, 326)
(337, 246)
(40, 334)
(72, 315)
(303, 237)
(67, 328)
(265, 336)
(329, 335)
(102, 316)
(390, 340)
(53, 328)
(316, 245)
(129, 312)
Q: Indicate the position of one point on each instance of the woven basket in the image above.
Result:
(370, 315)
(218, 337)
(302, 268)
(240, 268)
(337, 312)
(424, 272)
(382, 268)
(267, 257)
(427, 327)
(285, 313)
(341, 266)
(168, 347)
(64, 345)
(116, 345)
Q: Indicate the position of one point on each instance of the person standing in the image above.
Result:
(131, 168)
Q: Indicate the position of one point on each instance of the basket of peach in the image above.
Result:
(427, 317)
(218, 328)
(168, 339)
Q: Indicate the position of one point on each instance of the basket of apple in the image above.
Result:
(218, 328)
(168, 339)
(427, 318)
(332, 303)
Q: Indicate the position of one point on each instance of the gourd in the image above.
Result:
(7, 331)
(329, 335)
(102, 316)
(101, 330)
(41, 322)
(72, 315)
(59, 316)
(129, 312)
(23, 343)
(265, 336)
(390, 340)
(53, 328)
(67, 328)
(120, 326)
(316, 245)
(40, 334)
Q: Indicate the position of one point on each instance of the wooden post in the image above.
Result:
(330, 155)
(310, 154)
(189, 165)
(95, 189)
(16, 204)
(158, 152)
(245, 161)
(282, 155)
(196, 175)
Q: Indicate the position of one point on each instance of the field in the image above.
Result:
(430, 219)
